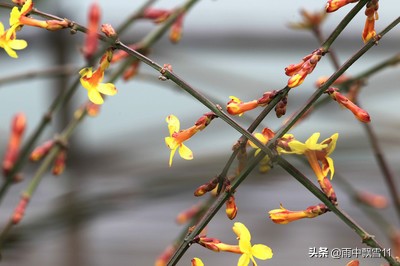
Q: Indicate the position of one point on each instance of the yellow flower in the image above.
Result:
(9, 42)
(18, 18)
(91, 80)
(177, 137)
(259, 251)
(315, 153)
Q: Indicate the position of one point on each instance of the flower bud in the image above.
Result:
(372, 200)
(207, 187)
(359, 113)
(41, 151)
(20, 209)
(231, 208)
(333, 5)
(91, 41)
(175, 33)
(188, 214)
(108, 30)
(165, 256)
(156, 15)
(59, 162)
(18, 126)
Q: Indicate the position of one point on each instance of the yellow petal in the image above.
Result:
(296, 147)
(171, 143)
(261, 252)
(235, 99)
(95, 97)
(171, 156)
(173, 124)
(241, 231)
(18, 44)
(185, 152)
(86, 72)
(14, 16)
(1, 29)
(27, 6)
(331, 166)
(332, 145)
(10, 52)
(107, 89)
(313, 139)
(244, 260)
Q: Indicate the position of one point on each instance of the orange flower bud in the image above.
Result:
(284, 216)
(41, 151)
(108, 30)
(372, 200)
(59, 162)
(299, 72)
(20, 209)
(156, 15)
(236, 107)
(231, 208)
(165, 256)
(188, 214)
(359, 113)
(371, 12)
(207, 187)
(353, 263)
(18, 126)
(333, 5)
(91, 40)
(176, 29)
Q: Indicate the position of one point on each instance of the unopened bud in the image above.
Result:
(108, 30)
(231, 208)
(91, 41)
(18, 126)
(280, 108)
(20, 209)
(41, 151)
(59, 162)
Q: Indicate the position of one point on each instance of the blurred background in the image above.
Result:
(117, 201)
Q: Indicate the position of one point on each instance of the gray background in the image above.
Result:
(117, 202)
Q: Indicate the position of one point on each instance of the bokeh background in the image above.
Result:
(116, 204)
